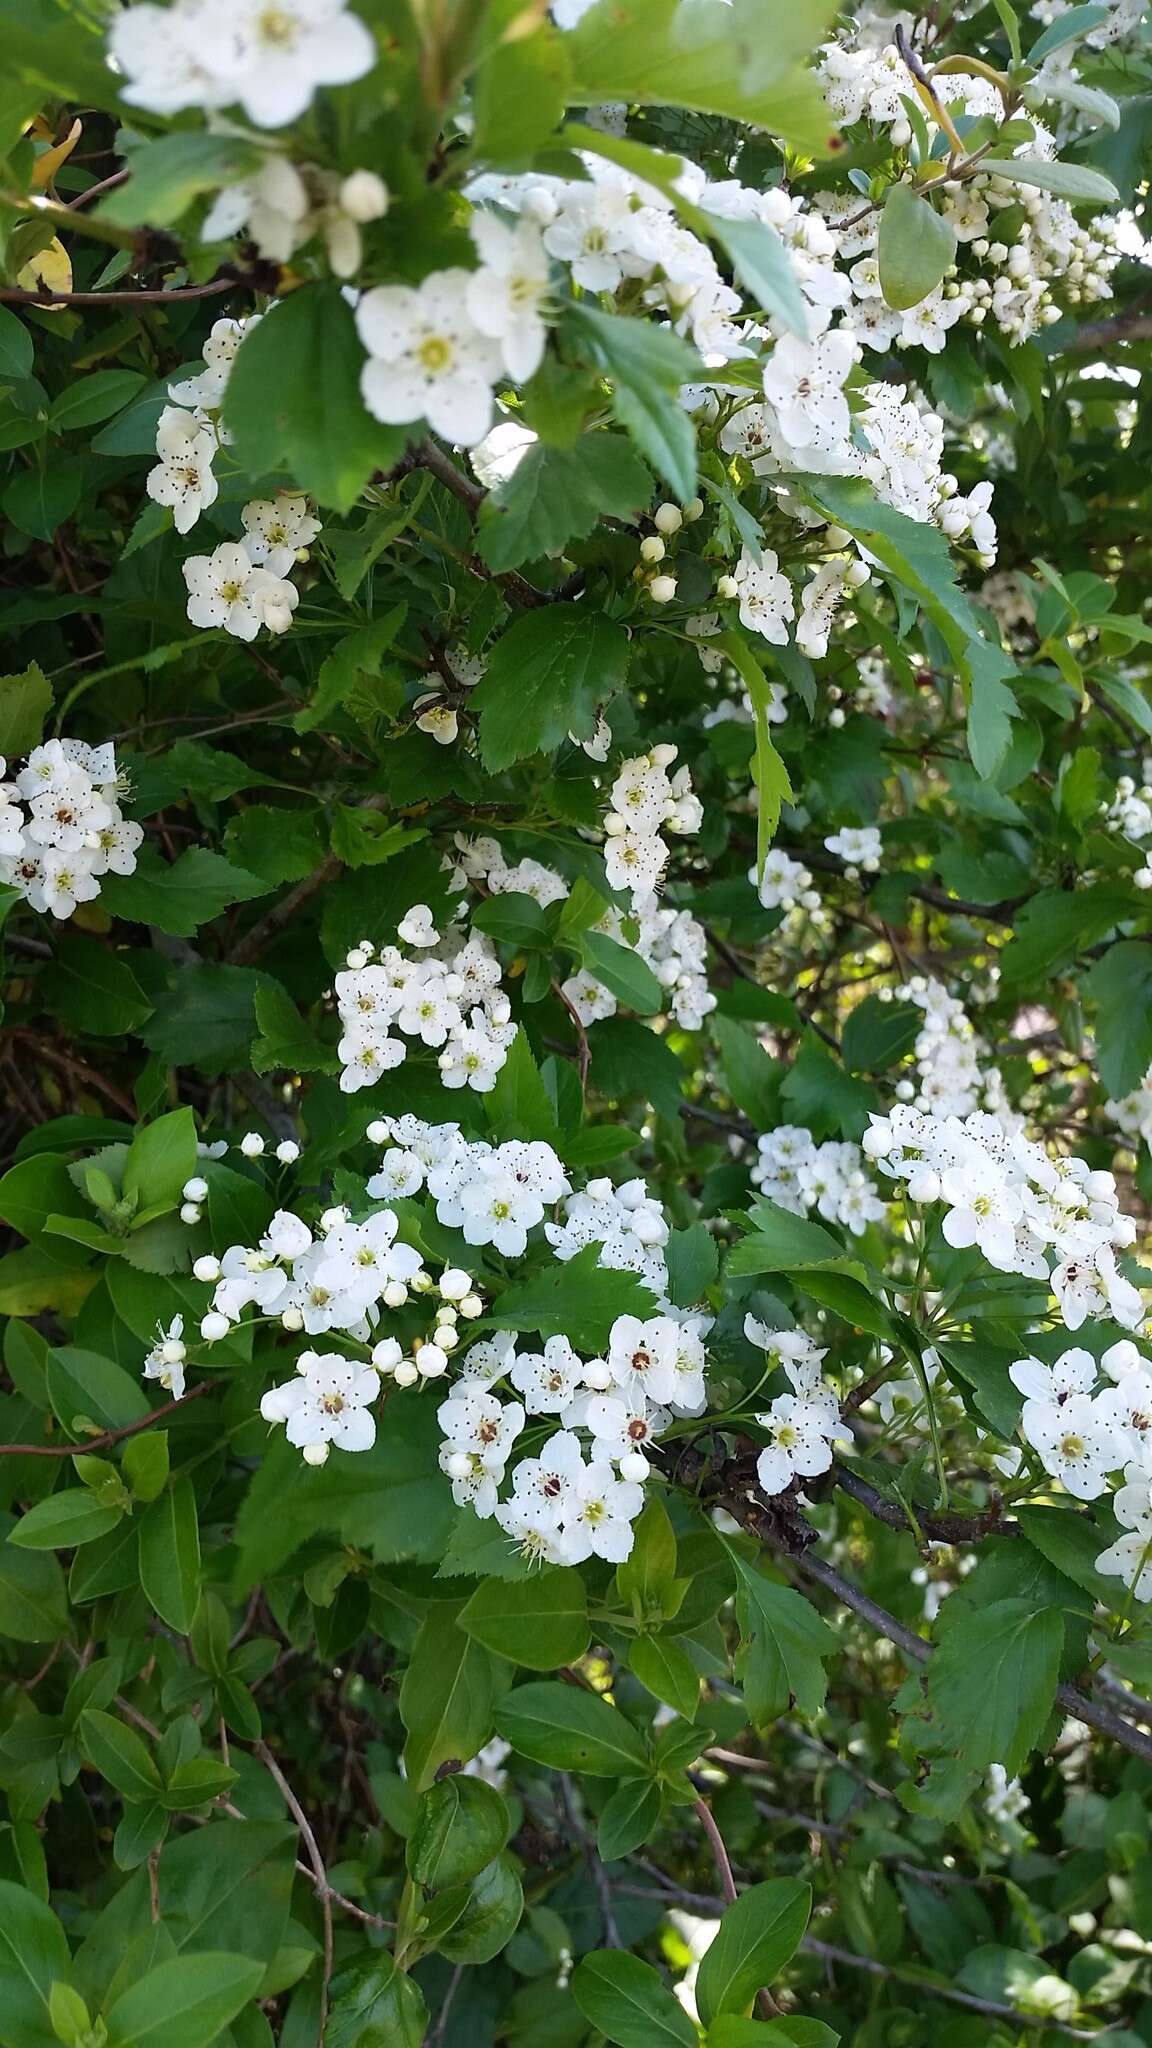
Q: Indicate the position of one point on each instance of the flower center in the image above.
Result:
(435, 353)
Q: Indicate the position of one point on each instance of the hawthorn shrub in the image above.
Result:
(577, 1042)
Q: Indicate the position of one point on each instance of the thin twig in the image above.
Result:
(107, 1437)
(17, 295)
(705, 1816)
(323, 1889)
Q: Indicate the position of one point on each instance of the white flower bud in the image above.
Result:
(633, 1465)
(405, 1374)
(189, 1213)
(207, 1268)
(431, 1361)
(669, 519)
(288, 1152)
(364, 196)
(173, 1352)
(459, 1465)
(315, 1454)
(195, 1190)
(332, 1219)
(455, 1283)
(727, 587)
(292, 1319)
(395, 1294)
(836, 717)
(694, 509)
(377, 1133)
(444, 1338)
(252, 1145)
(662, 589)
(386, 1355)
(837, 537)
(471, 1306)
(213, 1326)
(652, 548)
(598, 1375)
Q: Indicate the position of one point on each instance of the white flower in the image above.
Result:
(804, 382)
(983, 1210)
(328, 1403)
(441, 721)
(598, 1515)
(427, 359)
(766, 601)
(800, 1438)
(269, 59)
(183, 476)
(1077, 1440)
(548, 1380)
(1073, 1373)
(273, 205)
(507, 294)
(275, 529)
(226, 589)
(859, 846)
(649, 1351)
(165, 1361)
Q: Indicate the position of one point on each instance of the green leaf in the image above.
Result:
(183, 2003)
(551, 673)
(541, 1622)
(647, 1576)
(161, 1157)
(93, 988)
(782, 1644)
(743, 61)
(731, 2032)
(520, 90)
(25, 701)
(64, 1521)
(773, 786)
(357, 656)
(81, 1384)
(1120, 985)
(759, 1933)
(751, 1075)
(119, 1754)
(1076, 182)
(170, 1556)
(94, 398)
(556, 495)
(1073, 23)
(877, 1034)
(33, 1955)
(518, 1106)
(182, 897)
(781, 1241)
(623, 972)
(915, 247)
(664, 1666)
(145, 1464)
(376, 2006)
(285, 1040)
(763, 266)
(293, 399)
(1053, 927)
(646, 365)
(628, 1817)
(206, 1019)
(569, 1729)
(277, 845)
(628, 2002)
(1072, 1544)
(490, 1916)
(992, 1681)
(39, 500)
(460, 1825)
(692, 1257)
(16, 350)
(33, 1604)
(448, 1696)
(579, 1300)
(167, 175)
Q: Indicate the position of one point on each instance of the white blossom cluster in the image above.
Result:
(243, 585)
(225, 53)
(955, 1072)
(492, 1194)
(564, 1507)
(1132, 1113)
(1013, 273)
(1051, 1219)
(786, 884)
(644, 801)
(283, 206)
(1084, 1434)
(335, 1281)
(796, 1173)
(1130, 815)
(444, 992)
(61, 826)
(626, 1222)
(802, 1427)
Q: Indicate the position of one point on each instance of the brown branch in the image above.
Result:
(107, 1436)
(17, 295)
(824, 1949)
(943, 1528)
(1134, 323)
(704, 1815)
(323, 1889)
